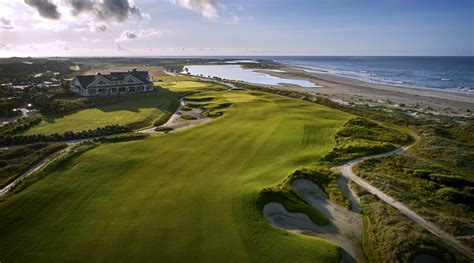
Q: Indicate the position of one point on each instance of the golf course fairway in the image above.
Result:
(139, 110)
(185, 196)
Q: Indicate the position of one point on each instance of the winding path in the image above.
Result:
(173, 117)
(347, 172)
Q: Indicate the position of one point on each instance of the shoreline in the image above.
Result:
(325, 72)
(350, 90)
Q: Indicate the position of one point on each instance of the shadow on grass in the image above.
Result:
(161, 99)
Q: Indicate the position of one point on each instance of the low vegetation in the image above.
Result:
(68, 135)
(15, 161)
(434, 177)
(391, 237)
(188, 117)
(20, 125)
(361, 137)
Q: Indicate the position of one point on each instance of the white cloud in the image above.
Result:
(6, 24)
(207, 8)
(139, 34)
(94, 40)
(97, 27)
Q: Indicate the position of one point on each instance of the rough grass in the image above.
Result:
(391, 237)
(434, 177)
(136, 110)
(184, 196)
(15, 161)
(361, 137)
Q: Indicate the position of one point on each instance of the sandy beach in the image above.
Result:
(345, 90)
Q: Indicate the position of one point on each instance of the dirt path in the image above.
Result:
(33, 169)
(177, 123)
(347, 172)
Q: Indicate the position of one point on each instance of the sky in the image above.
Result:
(236, 27)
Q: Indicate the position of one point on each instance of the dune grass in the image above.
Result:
(137, 110)
(184, 196)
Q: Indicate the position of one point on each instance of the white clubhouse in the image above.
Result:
(114, 83)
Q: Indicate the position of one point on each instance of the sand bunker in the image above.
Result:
(344, 229)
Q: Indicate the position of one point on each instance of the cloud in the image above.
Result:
(105, 10)
(98, 28)
(97, 10)
(119, 47)
(207, 8)
(126, 35)
(45, 8)
(139, 34)
(94, 40)
(6, 24)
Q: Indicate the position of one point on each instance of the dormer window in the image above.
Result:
(130, 81)
(101, 82)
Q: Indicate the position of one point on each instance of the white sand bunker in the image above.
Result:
(344, 229)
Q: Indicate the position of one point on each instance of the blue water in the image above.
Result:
(236, 72)
(449, 73)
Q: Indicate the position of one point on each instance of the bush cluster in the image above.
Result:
(20, 125)
(15, 161)
(69, 135)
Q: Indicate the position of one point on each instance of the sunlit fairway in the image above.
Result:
(138, 110)
(185, 196)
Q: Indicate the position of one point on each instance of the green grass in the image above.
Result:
(137, 110)
(369, 250)
(185, 84)
(362, 137)
(185, 196)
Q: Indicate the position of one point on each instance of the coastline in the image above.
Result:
(351, 90)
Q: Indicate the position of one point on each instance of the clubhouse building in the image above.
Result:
(114, 83)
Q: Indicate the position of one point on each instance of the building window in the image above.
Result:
(130, 81)
(101, 82)
(123, 89)
(100, 91)
(92, 92)
(131, 89)
(113, 90)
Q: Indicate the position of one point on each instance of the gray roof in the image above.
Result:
(143, 76)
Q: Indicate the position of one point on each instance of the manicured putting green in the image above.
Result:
(186, 196)
(141, 110)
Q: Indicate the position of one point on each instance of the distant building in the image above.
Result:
(114, 83)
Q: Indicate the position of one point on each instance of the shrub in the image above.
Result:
(20, 125)
(163, 129)
(163, 118)
(199, 99)
(451, 180)
(188, 117)
(68, 135)
(454, 196)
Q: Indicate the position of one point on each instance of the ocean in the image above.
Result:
(447, 73)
